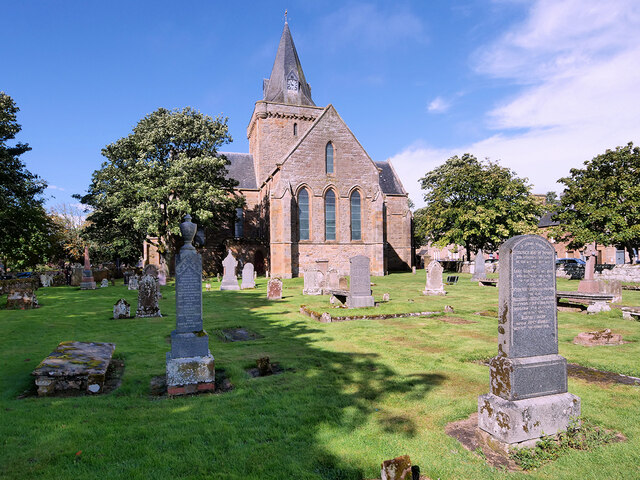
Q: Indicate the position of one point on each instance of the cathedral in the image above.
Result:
(314, 197)
(312, 192)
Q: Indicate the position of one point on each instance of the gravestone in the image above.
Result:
(104, 283)
(76, 276)
(162, 277)
(434, 284)
(589, 284)
(312, 283)
(190, 365)
(133, 282)
(479, 269)
(121, 309)
(125, 277)
(413, 270)
(88, 282)
(529, 395)
(46, 280)
(360, 283)
(148, 297)
(229, 279)
(274, 289)
(248, 278)
(613, 287)
(332, 280)
(21, 299)
(150, 270)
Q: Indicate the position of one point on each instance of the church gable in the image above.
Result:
(349, 164)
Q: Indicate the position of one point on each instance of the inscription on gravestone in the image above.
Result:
(189, 293)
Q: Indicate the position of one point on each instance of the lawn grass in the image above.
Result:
(354, 393)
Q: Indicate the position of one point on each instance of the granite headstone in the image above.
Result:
(274, 289)
(479, 271)
(148, 297)
(121, 309)
(360, 283)
(529, 395)
(190, 365)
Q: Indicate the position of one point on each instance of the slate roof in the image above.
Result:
(241, 168)
(389, 182)
(545, 221)
(286, 64)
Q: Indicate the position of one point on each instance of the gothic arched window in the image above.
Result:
(330, 215)
(328, 157)
(303, 214)
(356, 222)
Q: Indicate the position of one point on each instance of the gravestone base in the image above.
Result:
(527, 377)
(187, 375)
(88, 286)
(189, 344)
(523, 422)
(360, 301)
(440, 291)
(230, 285)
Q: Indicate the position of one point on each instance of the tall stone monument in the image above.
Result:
(590, 284)
(479, 272)
(229, 279)
(88, 283)
(248, 277)
(529, 395)
(190, 365)
(434, 284)
(360, 283)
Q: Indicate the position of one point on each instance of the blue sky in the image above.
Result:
(539, 85)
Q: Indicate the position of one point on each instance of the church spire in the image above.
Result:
(287, 83)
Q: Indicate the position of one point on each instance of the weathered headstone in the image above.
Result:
(614, 287)
(332, 281)
(121, 309)
(88, 282)
(385, 297)
(274, 289)
(46, 280)
(398, 468)
(479, 271)
(104, 283)
(360, 283)
(76, 276)
(529, 395)
(434, 284)
(190, 365)
(150, 270)
(21, 299)
(312, 282)
(229, 279)
(162, 277)
(148, 297)
(589, 284)
(413, 270)
(133, 282)
(248, 276)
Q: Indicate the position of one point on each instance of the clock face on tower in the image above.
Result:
(292, 84)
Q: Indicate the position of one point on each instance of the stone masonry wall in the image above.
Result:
(398, 245)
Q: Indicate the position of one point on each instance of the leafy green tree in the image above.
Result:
(26, 229)
(601, 202)
(70, 222)
(551, 198)
(167, 167)
(475, 204)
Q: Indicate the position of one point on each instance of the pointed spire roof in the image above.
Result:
(287, 83)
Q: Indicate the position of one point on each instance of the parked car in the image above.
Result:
(570, 261)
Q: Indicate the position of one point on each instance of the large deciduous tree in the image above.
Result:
(475, 204)
(167, 167)
(601, 202)
(25, 228)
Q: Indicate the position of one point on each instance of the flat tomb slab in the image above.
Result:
(588, 298)
(74, 366)
(238, 334)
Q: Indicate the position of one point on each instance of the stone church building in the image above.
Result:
(313, 195)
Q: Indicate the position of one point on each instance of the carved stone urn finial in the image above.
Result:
(188, 230)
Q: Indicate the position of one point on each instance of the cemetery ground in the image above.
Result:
(351, 394)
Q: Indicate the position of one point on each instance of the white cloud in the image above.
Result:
(54, 187)
(438, 105)
(578, 62)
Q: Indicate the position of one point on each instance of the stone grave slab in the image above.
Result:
(529, 395)
(79, 366)
(238, 334)
(598, 338)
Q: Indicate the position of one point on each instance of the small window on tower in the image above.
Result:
(295, 129)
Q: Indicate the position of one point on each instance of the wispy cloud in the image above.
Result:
(577, 63)
(368, 25)
(438, 105)
(54, 187)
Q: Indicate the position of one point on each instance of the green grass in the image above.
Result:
(355, 393)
